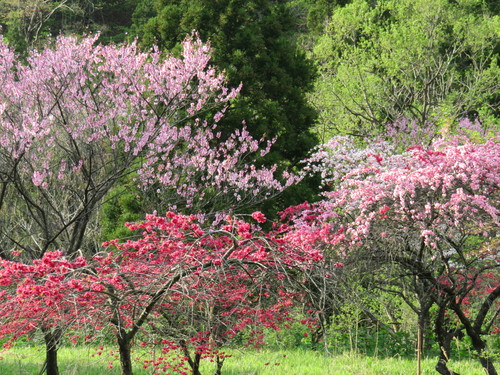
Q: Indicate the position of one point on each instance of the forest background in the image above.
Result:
(311, 71)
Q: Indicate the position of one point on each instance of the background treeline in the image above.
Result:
(310, 69)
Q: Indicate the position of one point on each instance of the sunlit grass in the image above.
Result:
(79, 361)
(309, 362)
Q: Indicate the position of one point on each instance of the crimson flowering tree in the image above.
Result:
(195, 289)
(432, 212)
(42, 296)
(187, 289)
(77, 117)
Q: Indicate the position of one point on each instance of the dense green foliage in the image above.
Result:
(426, 60)
(28, 23)
(312, 16)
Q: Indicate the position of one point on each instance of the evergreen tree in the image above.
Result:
(252, 41)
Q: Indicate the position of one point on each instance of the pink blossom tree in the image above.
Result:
(433, 213)
(77, 117)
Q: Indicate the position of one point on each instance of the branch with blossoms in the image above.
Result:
(340, 155)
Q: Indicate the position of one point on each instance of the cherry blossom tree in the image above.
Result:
(433, 213)
(77, 117)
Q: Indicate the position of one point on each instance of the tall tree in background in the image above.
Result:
(312, 17)
(252, 41)
(425, 60)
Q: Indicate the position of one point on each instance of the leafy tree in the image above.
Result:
(429, 61)
(28, 23)
(312, 16)
(252, 42)
(25, 20)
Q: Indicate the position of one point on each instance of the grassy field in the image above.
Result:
(79, 361)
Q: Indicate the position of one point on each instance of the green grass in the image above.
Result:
(79, 361)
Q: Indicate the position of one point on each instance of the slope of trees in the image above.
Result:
(29, 23)
(428, 61)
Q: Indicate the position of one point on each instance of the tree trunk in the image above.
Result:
(487, 363)
(419, 347)
(51, 339)
(444, 337)
(193, 363)
(196, 364)
(421, 326)
(125, 359)
(477, 342)
(220, 363)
